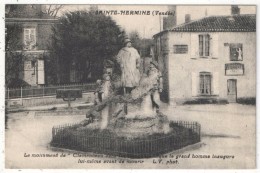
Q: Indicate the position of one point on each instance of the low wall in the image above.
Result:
(46, 100)
(61, 113)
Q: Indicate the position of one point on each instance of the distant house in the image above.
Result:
(33, 33)
(210, 58)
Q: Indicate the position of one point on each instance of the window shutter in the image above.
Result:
(32, 36)
(41, 72)
(215, 83)
(194, 48)
(194, 84)
(26, 35)
(214, 46)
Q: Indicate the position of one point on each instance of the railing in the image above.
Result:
(12, 93)
(106, 143)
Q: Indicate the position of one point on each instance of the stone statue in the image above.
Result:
(239, 57)
(103, 89)
(129, 60)
(151, 85)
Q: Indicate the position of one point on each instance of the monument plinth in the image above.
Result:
(128, 124)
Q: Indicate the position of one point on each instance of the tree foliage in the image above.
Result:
(13, 59)
(143, 45)
(83, 41)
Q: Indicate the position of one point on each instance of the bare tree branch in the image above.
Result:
(52, 10)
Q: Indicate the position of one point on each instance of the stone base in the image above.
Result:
(139, 127)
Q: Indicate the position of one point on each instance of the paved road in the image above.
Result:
(226, 129)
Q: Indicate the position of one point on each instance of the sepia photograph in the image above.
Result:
(110, 86)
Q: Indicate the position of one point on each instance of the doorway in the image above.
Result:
(232, 90)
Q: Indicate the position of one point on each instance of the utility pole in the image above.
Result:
(160, 23)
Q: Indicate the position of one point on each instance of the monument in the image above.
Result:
(128, 123)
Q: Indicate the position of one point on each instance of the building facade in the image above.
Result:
(33, 32)
(211, 58)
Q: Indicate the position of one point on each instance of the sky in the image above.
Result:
(148, 25)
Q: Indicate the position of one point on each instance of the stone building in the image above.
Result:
(213, 58)
(33, 31)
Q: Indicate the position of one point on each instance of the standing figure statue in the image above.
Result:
(157, 84)
(129, 60)
(98, 92)
(155, 77)
(239, 56)
(103, 89)
(151, 85)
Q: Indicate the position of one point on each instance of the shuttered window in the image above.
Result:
(29, 38)
(205, 83)
(204, 45)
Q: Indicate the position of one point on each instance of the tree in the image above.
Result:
(52, 10)
(143, 45)
(82, 42)
(13, 59)
(136, 40)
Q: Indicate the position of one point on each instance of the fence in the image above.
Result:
(106, 143)
(45, 91)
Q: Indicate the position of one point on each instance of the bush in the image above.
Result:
(206, 101)
(247, 101)
(17, 83)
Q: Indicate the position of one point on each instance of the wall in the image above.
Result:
(182, 67)
(44, 35)
(246, 84)
(163, 59)
(47, 100)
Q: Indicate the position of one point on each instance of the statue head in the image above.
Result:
(98, 82)
(106, 77)
(128, 42)
(154, 67)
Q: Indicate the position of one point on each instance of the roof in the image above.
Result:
(231, 23)
(26, 20)
(26, 11)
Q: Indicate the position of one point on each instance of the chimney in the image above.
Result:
(187, 18)
(165, 23)
(170, 21)
(235, 10)
(38, 8)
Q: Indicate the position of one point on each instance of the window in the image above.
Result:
(204, 45)
(180, 49)
(205, 83)
(29, 38)
(236, 52)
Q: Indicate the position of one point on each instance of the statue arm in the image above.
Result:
(138, 59)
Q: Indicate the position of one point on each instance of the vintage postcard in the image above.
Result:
(130, 86)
